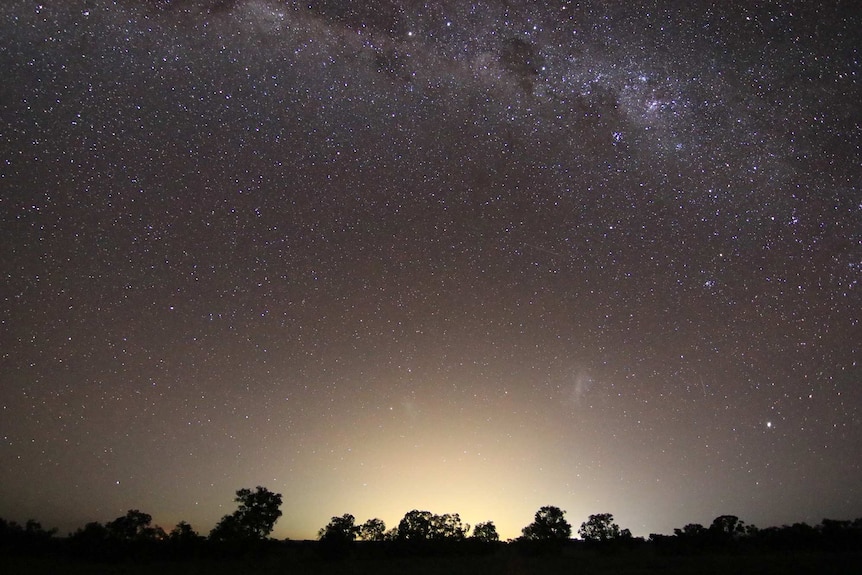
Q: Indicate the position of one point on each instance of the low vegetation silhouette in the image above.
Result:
(545, 545)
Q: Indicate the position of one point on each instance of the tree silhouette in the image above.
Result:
(228, 529)
(838, 534)
(727, 527)
(415, 526)
(254, 518)
(90, 541)
(549, 524)
(134, 525)
(425, 526)
(691, 530)
(486, 532)
(183, 533)
(372, 530)
(391, 534)
(336, 539)
(339, 530)
(183, 541)
(131, 537)
(600, 528)
(34, 529)
(29, 538)
(449, 527)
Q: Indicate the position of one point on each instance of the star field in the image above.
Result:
(474, 257)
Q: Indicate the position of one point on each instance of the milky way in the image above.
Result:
(472, 257)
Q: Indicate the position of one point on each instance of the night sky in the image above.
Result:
(473, 257)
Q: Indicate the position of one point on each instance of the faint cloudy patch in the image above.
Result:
(578, 387)
(410, 408)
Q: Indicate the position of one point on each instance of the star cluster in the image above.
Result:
(475, 257)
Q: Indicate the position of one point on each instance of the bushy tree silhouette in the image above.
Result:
(426, 526)
(415, 526)
(372, 530)
(549, 524)
(339, 530)
(254, 518)
(691, 530)
(449, 527)
(486, 531)
(134, 526)
(183, 541)
(336, 539)
(727, 528)
(228, 529)
(599, 528)
(29, 538)
(93, 541)
(183, 533)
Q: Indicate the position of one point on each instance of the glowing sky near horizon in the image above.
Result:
(468, 257)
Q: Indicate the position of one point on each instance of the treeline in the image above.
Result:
(246, 531)
(728, 532)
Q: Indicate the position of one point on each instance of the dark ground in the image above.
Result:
(505, 561)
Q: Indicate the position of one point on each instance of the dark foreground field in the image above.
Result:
(503, 561)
